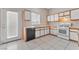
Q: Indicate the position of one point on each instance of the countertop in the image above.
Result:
(53, 27)
(74, 29)
(37, 26)
(50, 27)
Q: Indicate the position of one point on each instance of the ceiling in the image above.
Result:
(58, 10)
(50, 10)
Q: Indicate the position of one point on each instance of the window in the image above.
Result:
(12, 24)
(51, 18)
(56, 17)
(35, 18)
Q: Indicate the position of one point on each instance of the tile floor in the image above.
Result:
(44, 43)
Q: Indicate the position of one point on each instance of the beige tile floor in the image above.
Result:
(44, 43)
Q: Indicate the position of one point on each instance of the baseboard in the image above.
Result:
(9, 41)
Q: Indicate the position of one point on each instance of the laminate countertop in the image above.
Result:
(37, 26)
(74, 29)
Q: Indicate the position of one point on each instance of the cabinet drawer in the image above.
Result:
(75, 14)
(46, 31)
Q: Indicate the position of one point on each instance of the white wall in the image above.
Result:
(3, 19)
(42, 12)
(0, 25)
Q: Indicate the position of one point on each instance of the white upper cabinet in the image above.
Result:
(66, 13)
(56, 17)
(75, 14)
(67, 17)
(27, 15)
(61, 14)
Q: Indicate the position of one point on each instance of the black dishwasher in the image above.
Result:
(30, 34)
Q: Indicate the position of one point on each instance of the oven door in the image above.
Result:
(64, 33)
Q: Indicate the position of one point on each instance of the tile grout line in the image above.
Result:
(66, 46)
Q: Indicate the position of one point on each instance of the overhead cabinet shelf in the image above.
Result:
(61, 14)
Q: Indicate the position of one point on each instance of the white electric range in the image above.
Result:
(63, 30)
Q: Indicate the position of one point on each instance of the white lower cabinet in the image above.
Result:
(51, 31)
(54, 31)
(37, 33)
(42, 32)
(74, 36)
(46, 31)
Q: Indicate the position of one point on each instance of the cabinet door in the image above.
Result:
(42, 32)
(54, 31)
(75, 14)
(71, 35)
(66, 13)
(67, 17)
(46, 31)
(37, 33)
(74, 36)
(61, 14)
